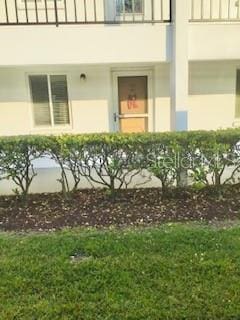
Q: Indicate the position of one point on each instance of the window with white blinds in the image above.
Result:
(50, 100)
(237, 110)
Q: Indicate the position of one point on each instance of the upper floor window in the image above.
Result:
(50, 100)
(130, 6)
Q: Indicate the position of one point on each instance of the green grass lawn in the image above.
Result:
(170, 272)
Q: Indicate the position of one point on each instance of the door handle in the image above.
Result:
(115, 116)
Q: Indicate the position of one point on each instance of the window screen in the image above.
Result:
(40, 99)
(59, 99)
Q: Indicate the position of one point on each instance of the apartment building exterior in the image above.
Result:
(82, 66)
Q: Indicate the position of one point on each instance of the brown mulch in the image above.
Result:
(94, 208)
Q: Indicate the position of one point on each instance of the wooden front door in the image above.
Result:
(133, 104)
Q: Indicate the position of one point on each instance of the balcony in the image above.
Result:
(214, 11)
(92, 31)
(62, 12)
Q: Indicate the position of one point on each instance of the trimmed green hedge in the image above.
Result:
(113, 160)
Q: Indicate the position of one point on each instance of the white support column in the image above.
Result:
(179, 65)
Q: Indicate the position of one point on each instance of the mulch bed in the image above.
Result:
(94, 208)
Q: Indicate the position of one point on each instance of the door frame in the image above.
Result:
(133, 73)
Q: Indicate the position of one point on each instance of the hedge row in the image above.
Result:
(113, 160)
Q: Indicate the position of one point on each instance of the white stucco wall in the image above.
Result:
(212, 94)
(162, 98)
(95, 44)
(211, 102)
(214, 41)
(89, 100)
(48, 45)
(14, 108)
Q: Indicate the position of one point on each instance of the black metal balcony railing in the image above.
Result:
(59, 12)
(215, 10)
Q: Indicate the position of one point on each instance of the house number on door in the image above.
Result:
(132, 102)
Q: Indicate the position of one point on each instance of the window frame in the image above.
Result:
(237, 96)
(52, 126)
